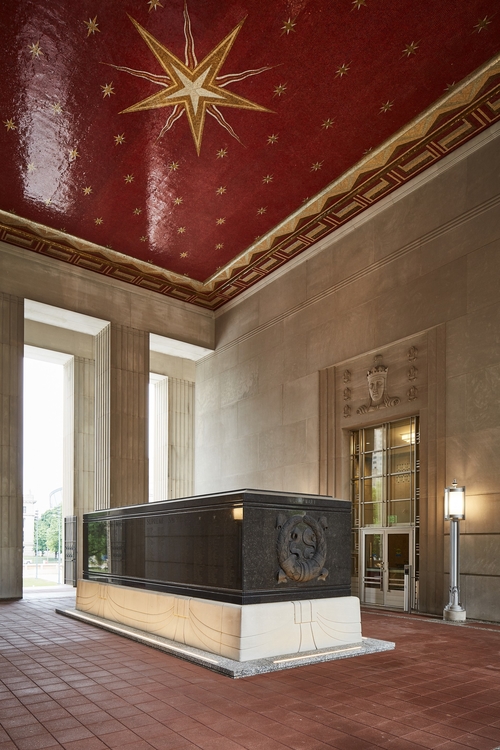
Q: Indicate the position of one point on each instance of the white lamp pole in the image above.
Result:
(454, 511)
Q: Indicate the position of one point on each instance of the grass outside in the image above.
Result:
(31, 582)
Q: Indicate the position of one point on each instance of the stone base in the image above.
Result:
(238, 632)
(454, 615)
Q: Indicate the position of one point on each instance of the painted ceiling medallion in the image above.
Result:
(191, 87)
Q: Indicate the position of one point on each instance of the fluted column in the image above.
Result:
(11, 441)
(180, 438)
(161, 449)
(122, 378)
(78, 449)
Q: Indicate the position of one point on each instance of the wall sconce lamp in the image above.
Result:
(454, 511)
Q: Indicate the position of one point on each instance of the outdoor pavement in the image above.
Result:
(67, 684)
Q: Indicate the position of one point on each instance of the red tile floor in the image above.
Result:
(67, 684)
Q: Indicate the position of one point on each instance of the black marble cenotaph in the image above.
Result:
(243, 547)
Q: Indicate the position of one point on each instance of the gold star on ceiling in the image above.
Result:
(222, 153)
(35, 49)
(9, 124)
(92, 26)
(73, 154)
(184, 255)
(173, 166)
(129, 178)
(482, 24)
(177, 201)
(143, 239)
(450, 86)
(280, 89)
(220, 221)
(316, 166)
(328, 123)
(107, 89)
(262, 210)
(119, 139)
(137, 211)
(154, 4)
(181, 230)
(386, 106)
(221, 190)
(288, 26)
(98, 221)
(357, 4)
(219, 246)
(343, 70)
(267, 179)
(190, 87)
(411, 49)
(271, 139)
(31, 167)
(87, 190)
(56, 108)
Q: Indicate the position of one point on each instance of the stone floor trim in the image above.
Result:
(230, 667)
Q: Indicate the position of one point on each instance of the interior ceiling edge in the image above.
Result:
(457, 118)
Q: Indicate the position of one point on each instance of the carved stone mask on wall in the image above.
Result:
(377, 388)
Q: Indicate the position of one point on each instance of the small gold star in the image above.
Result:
(358, 3)
(328, 123)
(62, 229)
(107, 89)
(367, 150)
(184, 255)
(220, 221)
(9, 124)
(482, 23)
(173, 166)
(181, 230)
(222, 153)
(221, 190)
(288, 26)
(450, 86)
(316, 166)
(119, 139)
(87, 190)
(73, 154)
(386, 106)
(177, 201)
(267, 179)
(92, 26)
(35, 49)
(143, 239)
(137, 211)
(262, 210)
(343, 70)
(56, 108)
(129, 178)
(272, 139)
(31, 167)
(219, 246)
(280, 89)
(154, 4)
(98, 221)
(411, 49)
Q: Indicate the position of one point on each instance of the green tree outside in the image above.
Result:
(48, 530)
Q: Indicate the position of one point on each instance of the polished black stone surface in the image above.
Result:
(245, 547)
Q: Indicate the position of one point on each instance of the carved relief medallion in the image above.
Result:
(377, 388)
(301, 548)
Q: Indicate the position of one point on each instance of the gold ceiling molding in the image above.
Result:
(469, 108)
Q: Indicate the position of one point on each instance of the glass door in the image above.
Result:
(385, 554)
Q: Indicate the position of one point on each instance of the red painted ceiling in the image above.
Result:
(178, 133)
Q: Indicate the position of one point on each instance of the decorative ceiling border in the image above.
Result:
(462, 113)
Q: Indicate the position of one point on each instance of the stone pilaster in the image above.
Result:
(78, 450)
(122, 378)
(180, 438)
(161, 450)
(11, 442)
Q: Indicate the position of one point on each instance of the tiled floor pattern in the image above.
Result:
(66, 684)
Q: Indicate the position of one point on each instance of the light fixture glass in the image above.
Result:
(454, 502)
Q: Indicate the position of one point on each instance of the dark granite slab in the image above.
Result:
(245, 547)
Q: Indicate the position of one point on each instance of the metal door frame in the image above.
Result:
(385, 532)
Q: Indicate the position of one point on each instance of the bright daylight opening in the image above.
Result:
(43, 471)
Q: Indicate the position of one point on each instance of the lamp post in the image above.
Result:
(454, 511)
